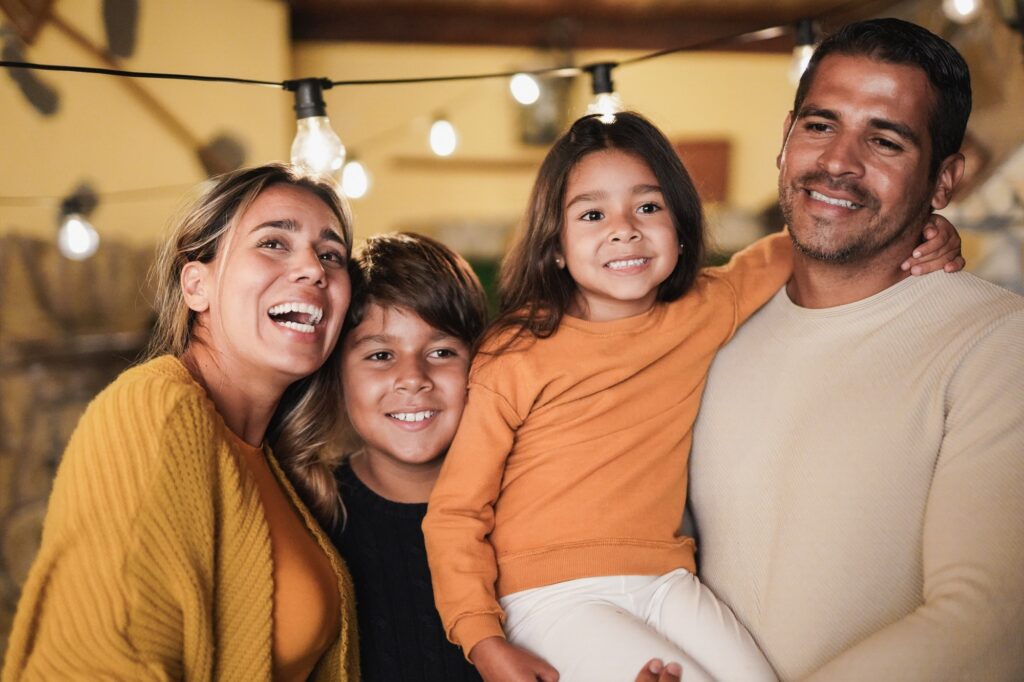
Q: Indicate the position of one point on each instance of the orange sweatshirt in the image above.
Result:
(570, 460)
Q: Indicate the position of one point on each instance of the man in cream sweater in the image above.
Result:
(857, 476)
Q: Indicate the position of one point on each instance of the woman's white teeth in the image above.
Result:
(312, 312)
(412, 416)
(297, 326)
(818, 196)
(623, 264)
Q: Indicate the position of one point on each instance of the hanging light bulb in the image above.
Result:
(525, 88)
(317, 149)
(802, 50)
(77, 239)
(606, 101)
(355, 181)
(443, 138)
(961, 11)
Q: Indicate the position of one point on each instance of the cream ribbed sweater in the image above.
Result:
(857, 481)
(156, 559)
(571, 455)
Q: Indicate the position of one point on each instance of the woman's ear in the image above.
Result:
(194, 286)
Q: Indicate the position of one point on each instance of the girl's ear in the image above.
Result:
(194, 286)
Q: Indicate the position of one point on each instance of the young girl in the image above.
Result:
(416, 316)
(557, 509)
(174, 546)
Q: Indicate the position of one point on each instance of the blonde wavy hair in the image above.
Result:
(304, 425)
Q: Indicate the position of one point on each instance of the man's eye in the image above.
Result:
(817, 127)
(592, 215)
(888, 144)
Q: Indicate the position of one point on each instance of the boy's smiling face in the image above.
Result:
(404, 385)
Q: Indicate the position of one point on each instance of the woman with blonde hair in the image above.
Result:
(178, 542)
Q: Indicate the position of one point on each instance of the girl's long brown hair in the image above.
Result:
(533, 292)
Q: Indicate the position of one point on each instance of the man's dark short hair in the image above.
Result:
(900, 42)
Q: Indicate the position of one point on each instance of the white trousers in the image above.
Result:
(604, 629)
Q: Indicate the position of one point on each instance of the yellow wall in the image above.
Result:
(104, 136)
(740, 97)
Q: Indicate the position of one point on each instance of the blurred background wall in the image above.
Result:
(133, 151)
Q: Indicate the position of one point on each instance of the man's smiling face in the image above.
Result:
(853, 171)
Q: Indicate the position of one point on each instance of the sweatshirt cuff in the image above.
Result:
(470, 630)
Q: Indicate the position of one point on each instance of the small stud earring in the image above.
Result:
(559, 263)
(681, 247)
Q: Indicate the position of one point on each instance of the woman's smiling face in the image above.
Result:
(274, 297)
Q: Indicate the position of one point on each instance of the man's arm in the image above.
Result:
(971, 624)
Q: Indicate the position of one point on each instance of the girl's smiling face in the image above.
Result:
(618, 241)
(273, 299)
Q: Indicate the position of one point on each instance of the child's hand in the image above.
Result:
(940, 251)
(497, 660)
(656, 671)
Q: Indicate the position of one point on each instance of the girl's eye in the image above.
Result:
(379, 356)
(592, 215)
(649, 208)
(444, 353)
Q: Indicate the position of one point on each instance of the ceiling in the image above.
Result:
(566, 24)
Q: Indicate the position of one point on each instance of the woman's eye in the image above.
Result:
(379, 356)
(272, 244)
(648, 208)
(592, 215)
(334, 257)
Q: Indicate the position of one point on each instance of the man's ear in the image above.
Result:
(785, 138)
(950, 173)
(195, 284)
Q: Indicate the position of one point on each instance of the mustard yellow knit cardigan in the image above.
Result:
(155, 560)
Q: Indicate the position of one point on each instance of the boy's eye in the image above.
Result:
(592, 215)
(379, 356)
(649, 207)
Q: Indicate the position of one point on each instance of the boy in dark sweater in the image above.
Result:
(416, 314)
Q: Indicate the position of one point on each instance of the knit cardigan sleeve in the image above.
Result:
(123, 571)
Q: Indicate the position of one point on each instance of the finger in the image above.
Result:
(651, 671)
(547, 674)
(955, 265)
(672, 673)
(937, 241)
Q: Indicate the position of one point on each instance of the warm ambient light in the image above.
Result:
(77, 239)
(525, 88)
(317, 148)
(802, 50)
(961, 11)
(355, 181)
(443, 138)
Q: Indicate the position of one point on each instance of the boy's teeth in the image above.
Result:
(834, 202)
(631, 263)
(412, 416)
(312, 312)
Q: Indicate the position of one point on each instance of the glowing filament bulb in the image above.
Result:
(443, 138)
(606, 102)
(76, 238)
(317, 149)
(525, 88)
(355, 181)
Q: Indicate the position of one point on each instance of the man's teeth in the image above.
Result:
(314, 313)
(412, 416)
(623, 264)
(818, 196)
